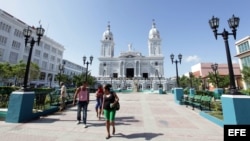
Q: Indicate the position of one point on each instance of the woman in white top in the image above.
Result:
(63, 96)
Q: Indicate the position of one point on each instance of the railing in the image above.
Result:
(43, 100)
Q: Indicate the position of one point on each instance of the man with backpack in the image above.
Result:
(82, 96)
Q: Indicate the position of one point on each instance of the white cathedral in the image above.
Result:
(131, 69)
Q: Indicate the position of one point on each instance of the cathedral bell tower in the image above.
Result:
(154, 41)
(107, 43)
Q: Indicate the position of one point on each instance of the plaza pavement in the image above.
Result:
(153, 117)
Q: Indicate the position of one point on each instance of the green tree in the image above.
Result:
(5, 70)
(20, 68)
(6, 73)
(184, 81)
(223, 81)
(246, 74)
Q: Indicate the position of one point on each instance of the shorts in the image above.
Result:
(109, 114)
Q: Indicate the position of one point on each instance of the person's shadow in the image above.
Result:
(146, 136)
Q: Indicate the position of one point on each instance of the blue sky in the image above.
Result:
(183, 24)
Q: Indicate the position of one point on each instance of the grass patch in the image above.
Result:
(216, 114)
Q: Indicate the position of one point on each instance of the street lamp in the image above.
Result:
(50, 79)
(104, 66)
(61, 70)
(233, 24)
(190, 77)
(28, 39)
(87, 63)
(176, 61)
(111, 76)
(159, 77)
(215, 68)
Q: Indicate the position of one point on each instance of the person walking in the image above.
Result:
(63, 93)
(109, 100)
(99, 100)
(82, 94)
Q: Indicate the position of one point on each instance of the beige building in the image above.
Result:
(202, 70)
(243, 54)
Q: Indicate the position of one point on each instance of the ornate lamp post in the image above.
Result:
(87, 63)
(111, 77)
(215, 68)
(159, 77)
(176, 62)
(50, 79)
(28, 39)
(61, 70)
(233, 24)
(103, 73)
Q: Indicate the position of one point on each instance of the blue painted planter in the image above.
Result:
(191, 92)
(178, 94)
(160, 91)
(236, 109)
(217, 93)
(20, 107)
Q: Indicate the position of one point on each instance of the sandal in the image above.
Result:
(107, 137)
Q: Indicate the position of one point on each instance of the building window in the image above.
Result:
(58, 60)
(44, 65)
(52, 58)
(16, 45)
(18, 33)
(1, 54)
(42, 76)
(13, 57)
(51, 67)
(3, 40)
(47, 47)
(246, 61)
(53, 50)
(244, 47)
(5, 27)
(36, 61)
(59, 52)
(45, 55)
(37, 53)
(41, 44)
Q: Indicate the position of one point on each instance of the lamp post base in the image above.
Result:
(217, 93)
(233, 91)
(178, 94)
(20, 107)
(191, 92)
(236, 109)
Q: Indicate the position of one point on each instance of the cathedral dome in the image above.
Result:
(154, 33)
(107, 35)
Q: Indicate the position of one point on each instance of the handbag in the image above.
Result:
(117, 106)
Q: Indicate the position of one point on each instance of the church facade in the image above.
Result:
(131, 69)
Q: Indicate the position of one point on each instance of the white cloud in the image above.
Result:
(193, 58)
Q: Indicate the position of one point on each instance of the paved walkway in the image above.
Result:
(142, 117)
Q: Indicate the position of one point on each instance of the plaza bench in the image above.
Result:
(187, 100)
(206, 102)
(203, 102)
(196, 102)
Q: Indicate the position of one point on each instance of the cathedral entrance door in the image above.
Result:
(130, 73)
